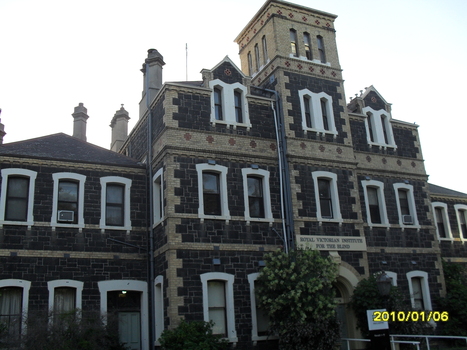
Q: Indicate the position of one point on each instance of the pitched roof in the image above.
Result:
(66, 148)
(438, 190)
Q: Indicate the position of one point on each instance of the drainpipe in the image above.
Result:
(284, 173)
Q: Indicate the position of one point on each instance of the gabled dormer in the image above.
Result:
(230, 88)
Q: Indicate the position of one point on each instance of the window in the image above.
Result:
(265, 50)
(378, 128)
(257, 195)
(326, 196)
(218, 104)
(68, 200)
(218, 303)
(375, 203)
(259, 318)
(212, 190)
(419, 290)
(461, 213)
(158, 193)
(250, 64)
(307, 42)
(406, 205)
(322, 54)
(229, 104)
(115, 203)
(159, 305)
(317, 112)
(257, 58)
(64, 296)
(440, 212)
(17, 196)
(293, 43)
(14, 300)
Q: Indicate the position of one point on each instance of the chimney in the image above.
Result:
(79, 125)
(119, 125)
(2, 129)
(152, 69)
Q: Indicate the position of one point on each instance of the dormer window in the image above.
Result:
(229, 104)
(378, 128)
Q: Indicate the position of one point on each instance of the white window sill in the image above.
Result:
(119, 228)
(203, 217)
(228, 123)
(249, 220)
(17, 223)
(382, 145)
(322, 132)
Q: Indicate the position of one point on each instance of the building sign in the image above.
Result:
(348, 243)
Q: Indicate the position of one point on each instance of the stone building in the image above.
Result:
(240, 163)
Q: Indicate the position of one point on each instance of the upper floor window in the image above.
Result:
(265, 49)
(406, 205)
(115, 203)
(229, 104)
(326, 196)
(307, 43)
(212, 191)
(250, 64)
(218, 303)
(461, 214)
(443, 229)
(317, 112)
(257, 195)
(378, 128)
(17, 196)
(257, 58)
(158, 193)
(322, 53)
(68, 200)
(375, 203)
(293, 43)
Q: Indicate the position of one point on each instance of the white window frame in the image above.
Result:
(254, 331)
(336, 211)
(159, 306)
(126, 205)
(6, 173)
(425, 288)
(381, 202)
(316, 114)
(68, 176)
(447, 226)
(229, 300)
(393, 276)
(228, 104)
(77, 285)
(25, 285)
(264, 175)
(411, 201)
(158, 196)
(459, 208)
(222, 171)
(377, 128)
(138, 286)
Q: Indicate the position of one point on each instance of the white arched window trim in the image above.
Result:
(378, 131)
(447, 226)
(138, 286)
(159, 306)
(425, 288)
(461, 209)
(264, 175)
(337, 217)
(6, 173)
(126, 210)
(68, 176)
(78, 285)
(158, 196)
(228, 103)
(316, 113)
(381, 202)
(25, 285)
(229, 298)
(411, 201)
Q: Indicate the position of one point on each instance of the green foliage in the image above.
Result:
(296, 291)
(455, 301)
(366, 296)
(192, 336)
(72, 331)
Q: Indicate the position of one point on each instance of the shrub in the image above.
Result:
(196, 335)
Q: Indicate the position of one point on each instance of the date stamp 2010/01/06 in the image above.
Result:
(410, 316)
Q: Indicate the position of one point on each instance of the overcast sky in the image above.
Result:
(55, 54)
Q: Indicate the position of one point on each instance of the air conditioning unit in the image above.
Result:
(66, 215)
(407, 219)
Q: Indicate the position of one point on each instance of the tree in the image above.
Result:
(296, 292)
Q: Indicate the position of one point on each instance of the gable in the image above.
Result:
(228, 72)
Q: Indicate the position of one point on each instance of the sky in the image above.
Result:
(55, 54)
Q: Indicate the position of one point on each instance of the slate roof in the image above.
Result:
(66, 148)
(434, 189)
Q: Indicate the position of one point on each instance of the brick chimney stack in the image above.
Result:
(152, 69)
(119, 125)
(80, 117)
